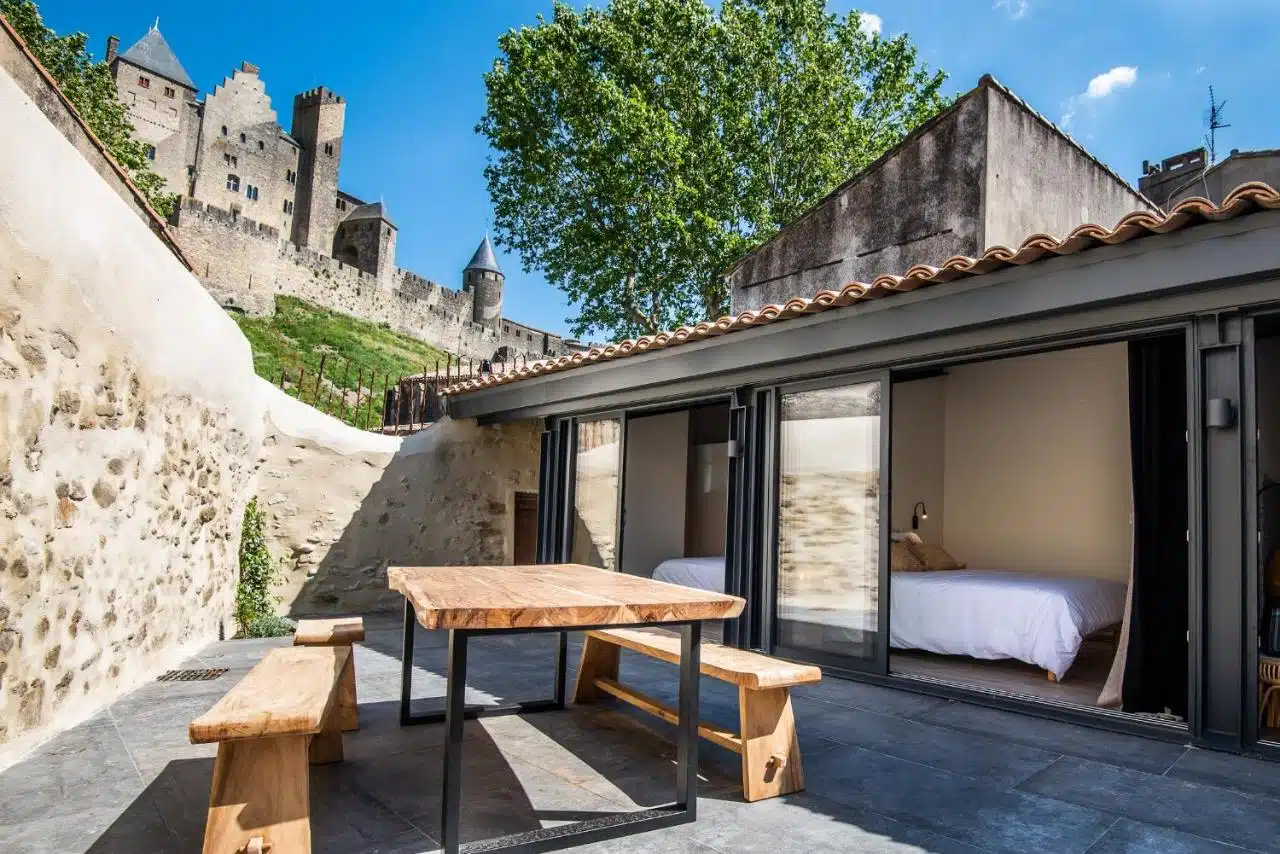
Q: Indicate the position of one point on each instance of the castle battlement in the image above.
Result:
(313, 97)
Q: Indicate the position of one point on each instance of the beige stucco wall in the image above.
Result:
(129, 427)
(1038, 471)
(918, 462)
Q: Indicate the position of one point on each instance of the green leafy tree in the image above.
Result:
(91, 88)
(642, 147)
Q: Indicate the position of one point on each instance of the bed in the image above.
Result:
(1039, 619)
(704, 573)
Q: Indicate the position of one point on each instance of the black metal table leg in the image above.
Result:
(687, 742)
(606, 825)
(455, 711)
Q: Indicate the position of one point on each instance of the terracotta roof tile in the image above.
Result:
(1245, 199)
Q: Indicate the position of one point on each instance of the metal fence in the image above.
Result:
(372, 398)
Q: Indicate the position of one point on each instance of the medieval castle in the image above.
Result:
(261, 212)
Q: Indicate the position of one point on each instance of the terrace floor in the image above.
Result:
(887, 771)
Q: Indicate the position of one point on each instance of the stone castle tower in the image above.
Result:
(262, 212)
(483, 279)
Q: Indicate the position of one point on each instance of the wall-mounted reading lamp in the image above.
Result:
(917, 513)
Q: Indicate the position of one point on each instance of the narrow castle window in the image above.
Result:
(224, 130)
(244, 137)
(291, 176)
(261, 145)
(328, 148)
(251, 192)
(231, 159)
(169, 92)
(144, 82)
(151, 152)
(233, 183)
(288, 206)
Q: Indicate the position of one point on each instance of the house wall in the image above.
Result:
(1231, 173)
(1037, 474)
(922, 204)
(918, 454)
(1036, 181)
(654, 491)
(129, 428)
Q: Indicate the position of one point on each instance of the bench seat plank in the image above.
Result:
(289, 692)
(338, 631)
(728, 664)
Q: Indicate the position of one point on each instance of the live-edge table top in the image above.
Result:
(563, 595)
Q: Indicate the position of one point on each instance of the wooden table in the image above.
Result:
(469, 601)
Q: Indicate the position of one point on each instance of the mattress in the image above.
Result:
(704, 573)
(1039, 619)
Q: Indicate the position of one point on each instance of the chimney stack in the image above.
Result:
(113, 44)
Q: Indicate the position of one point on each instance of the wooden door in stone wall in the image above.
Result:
(525, 549)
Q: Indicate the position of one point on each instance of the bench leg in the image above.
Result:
(260, 789)
(348, 709)
(326, 745)
(600, 660)
(770, 750)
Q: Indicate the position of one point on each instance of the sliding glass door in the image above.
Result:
(597, 484)
(832, 585)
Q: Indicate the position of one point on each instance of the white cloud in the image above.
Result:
(869, 23)
(1120, 77)
(1201, 69)
(1117, 78)
(1016, 8)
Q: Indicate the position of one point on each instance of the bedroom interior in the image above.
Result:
(1267, 376)
(1015, 567)
(675, 496)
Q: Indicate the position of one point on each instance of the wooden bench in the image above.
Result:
(283, 715)
(342, 632)
(766, 739)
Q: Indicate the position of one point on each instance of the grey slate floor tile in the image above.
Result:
(85, 768)
(1251, 776)
(1130, 837)
(960, 808)
(984, 756)
(1141, 754)
(1193, 808)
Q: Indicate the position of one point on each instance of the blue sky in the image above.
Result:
(1131, 75)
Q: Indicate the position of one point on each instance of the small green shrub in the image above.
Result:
(255, 610)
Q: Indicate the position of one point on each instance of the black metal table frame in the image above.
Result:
(608, 826)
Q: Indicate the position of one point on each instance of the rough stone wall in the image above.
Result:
(338, 516)
(128, 431)
(920, 204)
(373, 240)
(245, 265)
(165, 121)
(1038, 182)
(263, 159)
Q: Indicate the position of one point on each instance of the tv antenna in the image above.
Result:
(1213, 118)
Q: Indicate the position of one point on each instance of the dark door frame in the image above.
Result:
(879, 665)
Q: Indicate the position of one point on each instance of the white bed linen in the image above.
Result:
(704, 573)
(1039, 619)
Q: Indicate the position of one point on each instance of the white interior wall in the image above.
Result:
(1268, 372)
(919, 454)
(655, 487)
(1037, 471)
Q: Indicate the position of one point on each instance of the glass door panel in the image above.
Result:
(829, 594)
(596, 489)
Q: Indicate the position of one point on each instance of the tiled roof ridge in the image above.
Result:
(990, 80)
(1245, 199)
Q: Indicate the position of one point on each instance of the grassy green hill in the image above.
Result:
(357, 354)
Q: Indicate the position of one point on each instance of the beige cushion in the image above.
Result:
(902, 559)
(934, 557)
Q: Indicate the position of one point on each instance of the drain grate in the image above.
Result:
(191, 675)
